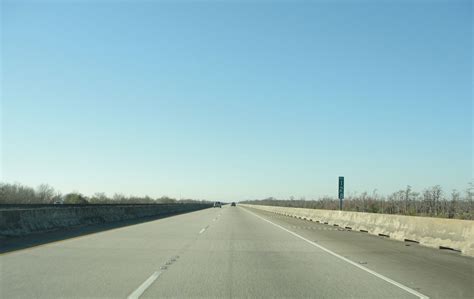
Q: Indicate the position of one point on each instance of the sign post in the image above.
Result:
(341, 191)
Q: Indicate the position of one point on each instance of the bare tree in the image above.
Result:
(45, 193)
(436, 197)
(455, 196)
(17, 193)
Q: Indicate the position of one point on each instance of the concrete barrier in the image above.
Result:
(21, 221)
(428, 231)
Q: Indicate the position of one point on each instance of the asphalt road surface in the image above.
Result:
(234, 252)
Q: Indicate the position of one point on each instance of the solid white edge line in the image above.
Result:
(391, 281)
(142, 288)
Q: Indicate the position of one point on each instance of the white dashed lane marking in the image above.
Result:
(147, 283)
(203, 229)
(142, 288)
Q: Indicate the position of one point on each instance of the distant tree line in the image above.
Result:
(432, 202)
(45, 194)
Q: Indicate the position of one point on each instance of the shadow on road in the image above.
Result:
(9, 244)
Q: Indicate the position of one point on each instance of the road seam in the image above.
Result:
(391, 281)
(142, 288)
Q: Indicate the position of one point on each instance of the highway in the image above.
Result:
(233, 252)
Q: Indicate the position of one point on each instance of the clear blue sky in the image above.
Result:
(237, 100)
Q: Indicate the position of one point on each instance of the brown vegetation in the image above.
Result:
(45, 194)
(431, 202)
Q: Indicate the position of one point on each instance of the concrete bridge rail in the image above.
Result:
(21, 220)
(441, 233)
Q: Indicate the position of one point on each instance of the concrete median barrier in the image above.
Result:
(433, 232)
(23, 221)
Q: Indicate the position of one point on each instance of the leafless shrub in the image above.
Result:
(431, 202)
(45, 194)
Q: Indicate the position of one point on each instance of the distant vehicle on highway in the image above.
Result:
(217, 204)
(233, 204)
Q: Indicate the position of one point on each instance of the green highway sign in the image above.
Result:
(341, 191)
(341, 187)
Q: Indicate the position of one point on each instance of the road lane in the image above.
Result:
(107, 264)
(437, 273)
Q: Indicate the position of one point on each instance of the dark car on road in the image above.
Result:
(233, 204)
